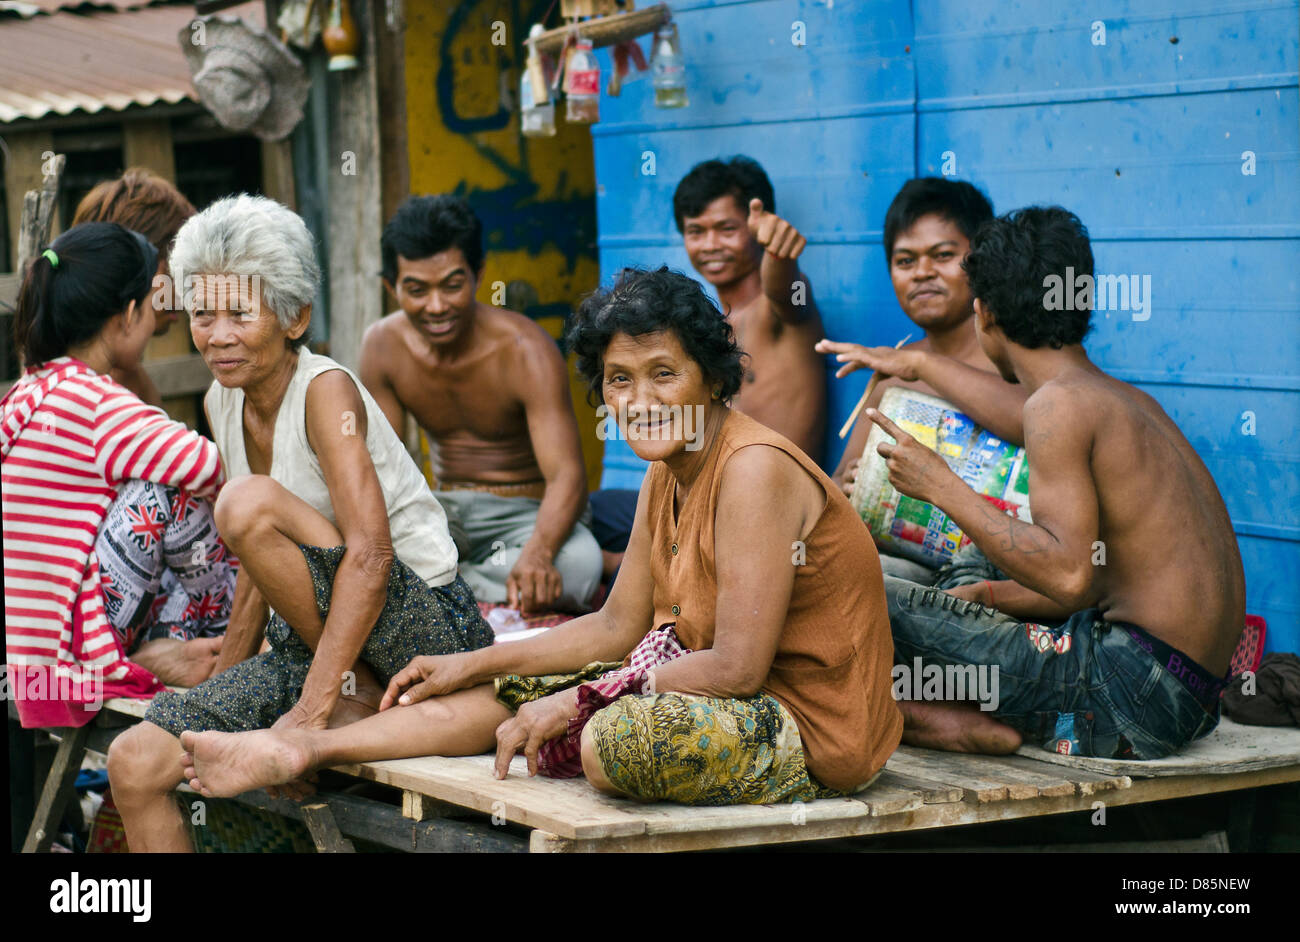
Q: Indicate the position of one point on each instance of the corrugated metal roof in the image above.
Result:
(89, 62)
(33, 7)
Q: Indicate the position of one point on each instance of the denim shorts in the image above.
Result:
(1085, 687)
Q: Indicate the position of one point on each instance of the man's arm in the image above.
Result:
(984, 396)
(786, 288)
(1053, 555)
(374, 375)
(1011, 598)
(534, 582)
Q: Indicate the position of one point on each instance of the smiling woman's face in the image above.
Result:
(657, 393)
(237, 333)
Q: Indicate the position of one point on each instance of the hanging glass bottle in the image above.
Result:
(582, 85)
(668, 69)
(536, 110)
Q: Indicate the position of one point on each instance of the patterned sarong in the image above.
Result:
(671, 746)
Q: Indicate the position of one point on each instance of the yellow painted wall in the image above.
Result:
(536, 197)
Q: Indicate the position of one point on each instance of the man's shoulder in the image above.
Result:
(520, 337)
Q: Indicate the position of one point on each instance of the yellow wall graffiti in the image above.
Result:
(535, 196)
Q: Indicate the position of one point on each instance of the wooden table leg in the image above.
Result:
(58, 789)
(544, 842)
(325, 830)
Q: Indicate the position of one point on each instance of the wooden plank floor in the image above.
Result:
(919, 789)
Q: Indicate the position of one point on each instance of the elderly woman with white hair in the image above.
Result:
(333, 524)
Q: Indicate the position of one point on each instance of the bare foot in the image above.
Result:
(179, 663)
(222, 765)
(956, 728)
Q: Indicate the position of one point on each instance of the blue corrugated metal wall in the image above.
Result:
(1142, 136)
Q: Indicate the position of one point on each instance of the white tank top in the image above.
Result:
(417, 523)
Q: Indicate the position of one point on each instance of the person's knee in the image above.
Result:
(144, 762)
(592, 767)
(580, 564)
(245, 503)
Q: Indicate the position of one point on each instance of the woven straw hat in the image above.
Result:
(246, 77)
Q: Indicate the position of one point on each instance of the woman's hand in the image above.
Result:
(431, 675)
(535, 723)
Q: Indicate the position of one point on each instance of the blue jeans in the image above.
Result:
(1083, 688)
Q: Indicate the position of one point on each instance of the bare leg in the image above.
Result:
(144, 769)
(956, 727)
(263, 524)
(459, 724)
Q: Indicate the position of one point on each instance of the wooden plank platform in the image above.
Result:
(918, 789)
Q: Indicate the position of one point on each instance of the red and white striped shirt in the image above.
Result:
(68, 438)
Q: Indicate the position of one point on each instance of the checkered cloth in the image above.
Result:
(562, 757)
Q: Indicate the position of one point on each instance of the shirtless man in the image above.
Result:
(928, 229)
(1129, 530)
(735, 240)
(724, 211)
(491, 390)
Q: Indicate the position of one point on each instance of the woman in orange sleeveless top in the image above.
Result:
(744, 654)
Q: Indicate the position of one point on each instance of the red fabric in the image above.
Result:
(562, 757)
(1250, 649)
(68, 438)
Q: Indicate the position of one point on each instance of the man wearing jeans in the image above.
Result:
(1130, 554)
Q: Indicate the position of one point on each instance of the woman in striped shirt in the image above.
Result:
(109, 543)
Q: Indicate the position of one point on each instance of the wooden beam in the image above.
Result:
(277, 172)
(149, 144)
(325, 830)
(24, 170)
(57, 791)
(355, 196)
(392, 106)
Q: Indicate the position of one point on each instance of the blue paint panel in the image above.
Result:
(982, 54)
(1167, 166)
(1142, 137)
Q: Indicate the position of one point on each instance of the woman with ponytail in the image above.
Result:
(110, 548)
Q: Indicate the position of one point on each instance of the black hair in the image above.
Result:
(426, 225)
(101, 268)
(646, 302)
(955, 200)
(1010, 268)
(741, 177)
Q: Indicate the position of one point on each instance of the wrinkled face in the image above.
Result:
(236, 332)
(925, 267)
(437, 295)
(657, 393)
(719, 243)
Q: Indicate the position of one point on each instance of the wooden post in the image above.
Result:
(58, 789)
(148, 144)
(24, 170)
(39, 207)
(355, 197)
(277, 172)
